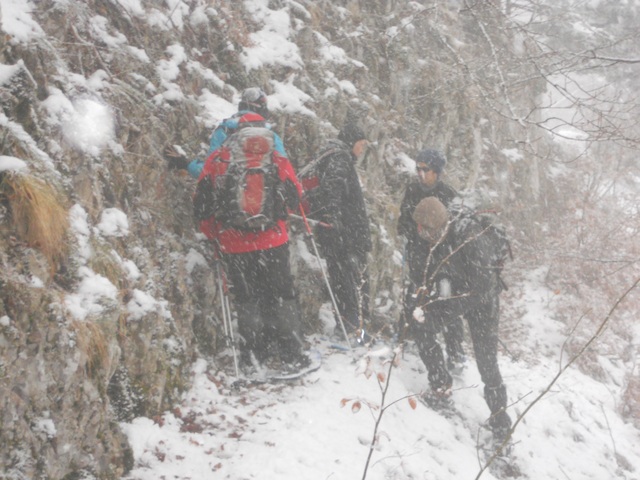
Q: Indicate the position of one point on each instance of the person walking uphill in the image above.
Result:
(252, 101)
(334, 196)
(241, 203)
(429, 166)
(462, 280)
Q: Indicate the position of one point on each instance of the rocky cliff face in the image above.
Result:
(91, 92)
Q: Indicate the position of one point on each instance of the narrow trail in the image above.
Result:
(321, 426)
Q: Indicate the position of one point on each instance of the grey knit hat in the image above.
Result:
(254, 99)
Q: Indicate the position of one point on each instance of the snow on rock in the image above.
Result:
(133, 7)
(79, 222)
(131, 269)
(271, 44)
(12, 164)
(113, 223)
(18, 131)
(288, 98)
(86, 122)
(92, 296)
(17, 22)
(168, 71)
(8, 71)
(45, 426)
(195, 259)
(215, 108)
(142, 303)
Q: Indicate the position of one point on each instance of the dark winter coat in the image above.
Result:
(460, 268)
(338, 200)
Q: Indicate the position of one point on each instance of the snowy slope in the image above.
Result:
(311, 429)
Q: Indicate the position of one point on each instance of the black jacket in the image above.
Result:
(460, 267)
(338, 201)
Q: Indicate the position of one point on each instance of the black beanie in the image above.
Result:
(434, 159)
(350, 134)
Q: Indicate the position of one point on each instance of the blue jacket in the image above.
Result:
(227, 127)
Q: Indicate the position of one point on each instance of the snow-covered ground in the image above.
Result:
(321, 427)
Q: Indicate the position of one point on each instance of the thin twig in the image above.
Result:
(383, 408)
(573, 330)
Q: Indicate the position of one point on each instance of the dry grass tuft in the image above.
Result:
(93, 344)
(38, 214)
(104, 263)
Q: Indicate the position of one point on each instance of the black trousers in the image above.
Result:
(260, 275)
(483, 320)
(349, 281)
(265, 300)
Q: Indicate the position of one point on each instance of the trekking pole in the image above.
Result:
(309, 220)
(399, 335)
(226, 311)
(326, 278)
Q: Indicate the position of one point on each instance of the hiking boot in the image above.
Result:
(438, 398)
(286, 328)
(248, 363)
(500, 424)
(456, 363)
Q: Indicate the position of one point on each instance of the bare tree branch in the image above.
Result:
(562, 369)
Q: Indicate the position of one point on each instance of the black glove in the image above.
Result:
(291, 196)
(329, 235)
(175, 160)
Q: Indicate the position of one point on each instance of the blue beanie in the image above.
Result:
(434, 159)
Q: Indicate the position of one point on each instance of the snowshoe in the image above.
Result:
(303, 365)
(307, 363)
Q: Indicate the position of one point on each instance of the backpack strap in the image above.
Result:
(313, 163)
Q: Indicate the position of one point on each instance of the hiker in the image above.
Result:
(335, 198)
(252, 100)
(241, 201)
(429, 166)
(462, 280)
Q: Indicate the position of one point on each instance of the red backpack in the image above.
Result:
(248, 195)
